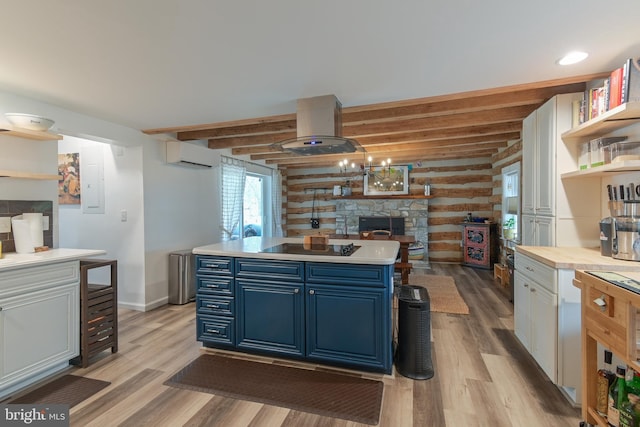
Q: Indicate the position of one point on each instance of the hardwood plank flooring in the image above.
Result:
(483, 375)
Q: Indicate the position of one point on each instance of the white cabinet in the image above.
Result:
(538, 230)
(547, 321)
(535, 312)
(544, 195)
(39, 322)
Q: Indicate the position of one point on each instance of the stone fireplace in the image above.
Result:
(414, 212)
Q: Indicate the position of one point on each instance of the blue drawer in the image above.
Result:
(216, 329)
(214, 265)
(215, 285)
(269, 269)
(350, 274)
(215, 305)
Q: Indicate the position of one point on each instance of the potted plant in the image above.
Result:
(508, 228)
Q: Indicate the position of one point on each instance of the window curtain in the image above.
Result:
(276, 197)
(233, 175)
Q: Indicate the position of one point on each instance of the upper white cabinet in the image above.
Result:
(548, 202)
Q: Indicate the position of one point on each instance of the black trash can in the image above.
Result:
(413, 354)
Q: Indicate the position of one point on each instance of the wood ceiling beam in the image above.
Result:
(499, 115)
(533, 96)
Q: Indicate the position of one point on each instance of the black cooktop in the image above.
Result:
(302, 249)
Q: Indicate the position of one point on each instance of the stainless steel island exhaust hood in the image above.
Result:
(319, 129)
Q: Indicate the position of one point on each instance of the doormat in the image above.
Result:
(443, 293)
(66, 390)
(319, 392)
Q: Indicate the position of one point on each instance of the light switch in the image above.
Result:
(45, 223)
(123, 215)
(5, 224)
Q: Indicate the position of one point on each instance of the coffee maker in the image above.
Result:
(626, 229)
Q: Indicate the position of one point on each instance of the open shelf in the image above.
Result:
(30, 134)
(382, 196)
(27, 175)
(623, 115)
(626, 166)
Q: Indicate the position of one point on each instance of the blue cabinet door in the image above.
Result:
(349, 325)
(270, 316)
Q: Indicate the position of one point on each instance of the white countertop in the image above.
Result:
(575, 258)
(382, 252)
(14, 260)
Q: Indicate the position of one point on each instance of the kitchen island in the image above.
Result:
(279, 297)
(39, 315)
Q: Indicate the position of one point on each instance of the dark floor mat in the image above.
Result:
(69, 390)
(318, 392)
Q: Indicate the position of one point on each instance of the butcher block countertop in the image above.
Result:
(576, 258)
(382, 252)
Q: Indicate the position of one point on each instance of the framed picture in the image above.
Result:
(388, 180)
(69, 179)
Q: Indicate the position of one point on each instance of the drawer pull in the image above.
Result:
(526, 285)
(311, 292)
(213, 306)
(213, 331)
(296, 290)
(212, 265)
(600, 302)
(212, 286)
(533, 289)
(529, 268)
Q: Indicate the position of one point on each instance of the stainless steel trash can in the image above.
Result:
(182, 283)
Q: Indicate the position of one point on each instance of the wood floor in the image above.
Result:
(483, 376)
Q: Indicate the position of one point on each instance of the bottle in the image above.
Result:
(630, 412)
(617, 397)
(603, 384)
(633, 385)
(427, 189)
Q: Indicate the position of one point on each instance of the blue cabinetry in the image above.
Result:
(270, 306)
(215, 301)
(324, 312)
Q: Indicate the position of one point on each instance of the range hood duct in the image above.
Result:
(319, 129)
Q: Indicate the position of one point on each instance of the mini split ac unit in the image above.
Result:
(191, 155)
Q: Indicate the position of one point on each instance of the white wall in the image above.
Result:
(181, 212)
(123, 241)
(179, 204)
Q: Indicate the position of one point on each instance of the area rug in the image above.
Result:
(319, 392)
(443, 293)
(66, 390)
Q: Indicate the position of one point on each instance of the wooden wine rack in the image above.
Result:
(98, 312)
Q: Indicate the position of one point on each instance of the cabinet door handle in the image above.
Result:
(526, 285)
(0, 308)
(311, 292)
(533, 289)
(296, 291)
(600, 302)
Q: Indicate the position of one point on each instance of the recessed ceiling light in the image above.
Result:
(572, 58)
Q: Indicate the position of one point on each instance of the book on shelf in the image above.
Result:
(615, 88)
(630, 88)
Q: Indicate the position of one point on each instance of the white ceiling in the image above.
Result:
(164, 63)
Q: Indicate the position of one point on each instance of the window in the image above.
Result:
(511, 201)
(246, 200)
